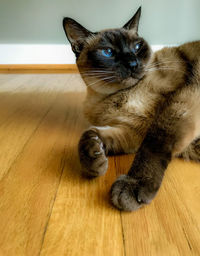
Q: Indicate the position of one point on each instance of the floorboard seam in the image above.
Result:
(123, 236)
(122, 228)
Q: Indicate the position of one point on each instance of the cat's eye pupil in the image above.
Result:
(107, 52)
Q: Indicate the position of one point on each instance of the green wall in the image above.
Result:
(39, 21)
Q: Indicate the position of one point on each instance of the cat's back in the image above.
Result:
(191, 50)
(174, 67)
(191, 55)
(188, 52)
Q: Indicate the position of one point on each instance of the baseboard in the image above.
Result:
(38, 68)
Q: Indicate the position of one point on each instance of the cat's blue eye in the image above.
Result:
(107, 52)
(137, 47)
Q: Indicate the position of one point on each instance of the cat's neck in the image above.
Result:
(94, 95)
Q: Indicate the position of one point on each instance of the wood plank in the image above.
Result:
(38, 68)
(20, 114)
(35, 176)
(23, 102)
(170, 225)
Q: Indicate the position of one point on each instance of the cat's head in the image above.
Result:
(112, 59)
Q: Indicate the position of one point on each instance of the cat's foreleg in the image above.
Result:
(98, 142)
(140, 185)
(171, 132)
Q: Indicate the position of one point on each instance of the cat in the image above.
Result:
(138, 102)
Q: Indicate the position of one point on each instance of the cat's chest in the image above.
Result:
(136, 104)
(125, 106)
(142, 104)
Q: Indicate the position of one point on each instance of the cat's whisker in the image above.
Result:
(99, 68)
(111, 81)
(92, 72)
(154, 68)
(175, 70)
(169, 61)
(108, 82)
(106, 79)
(97, 71)
(163, 63)
(159, 65)
(92, 84)
(163, 68)
(97, 75)
(158, 68)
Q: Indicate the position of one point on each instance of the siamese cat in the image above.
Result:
(138, 102)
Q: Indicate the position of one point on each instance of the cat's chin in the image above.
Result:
(129, 82)
(113, 87)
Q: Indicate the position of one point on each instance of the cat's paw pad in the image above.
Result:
(129, 195)
(92, 154)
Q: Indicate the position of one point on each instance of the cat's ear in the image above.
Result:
(133, 23)
(76, 34)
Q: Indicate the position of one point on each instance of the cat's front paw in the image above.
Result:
(129, 194)
(92, 154)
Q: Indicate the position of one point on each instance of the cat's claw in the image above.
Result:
(92, 154)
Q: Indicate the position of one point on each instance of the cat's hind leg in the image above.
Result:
(192, 152)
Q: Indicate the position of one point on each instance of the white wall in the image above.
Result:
(31, 30)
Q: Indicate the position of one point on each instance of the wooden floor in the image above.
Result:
(46, 208)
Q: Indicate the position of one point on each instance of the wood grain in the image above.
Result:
(47, 208)
(38, 68)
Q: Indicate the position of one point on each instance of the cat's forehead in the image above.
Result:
(112, 38)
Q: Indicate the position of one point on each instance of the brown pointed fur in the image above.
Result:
(156, 115)
(134, 108)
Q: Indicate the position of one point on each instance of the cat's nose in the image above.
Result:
(133, 64)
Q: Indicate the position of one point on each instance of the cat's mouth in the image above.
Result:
(134, 75)
(132, 79)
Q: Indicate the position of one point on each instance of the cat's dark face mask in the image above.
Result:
(109, 60)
